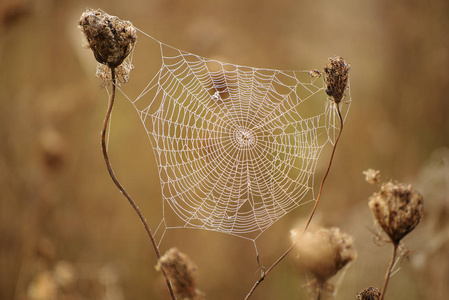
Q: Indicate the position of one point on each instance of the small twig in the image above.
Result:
(390, 267)
(119, 186)
(265, 274)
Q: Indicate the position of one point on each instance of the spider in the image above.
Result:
(314, 73)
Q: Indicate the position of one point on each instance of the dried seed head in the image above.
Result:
(324, 252)
(398, 208)
(179, 269)
(372, 176)
(110, 38)
(336, 78)
(371, 293)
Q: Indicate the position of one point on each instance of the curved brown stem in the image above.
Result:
(390, 266)
(265, 274)
(328, 167)
(119, 186)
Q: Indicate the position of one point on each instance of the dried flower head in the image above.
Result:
(372, 176)
(336, 78)
(110, 38)
(398, 208)
(371, 293)
(179, 270)
(324, 252)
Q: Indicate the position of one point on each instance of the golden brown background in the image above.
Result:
(66, 232)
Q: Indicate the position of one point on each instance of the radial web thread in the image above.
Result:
(236, 146)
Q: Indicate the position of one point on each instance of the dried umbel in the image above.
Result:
(110, 38)
(324, 252)
(372, 176)
(179, 270)
(336, 78)
(398, 208)
(371, 293)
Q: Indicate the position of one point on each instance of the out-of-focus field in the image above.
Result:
(66, 232)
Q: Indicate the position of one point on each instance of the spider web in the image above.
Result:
(236, 146)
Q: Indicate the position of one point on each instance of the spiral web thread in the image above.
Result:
(236, 146)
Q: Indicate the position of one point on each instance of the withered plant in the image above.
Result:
(397, 209)
(112, 40)
(322, 253)
(180, 271)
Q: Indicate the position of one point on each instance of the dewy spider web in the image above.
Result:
(236, 146)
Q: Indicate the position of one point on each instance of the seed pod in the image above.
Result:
(179, 270)
(110, 38)
(371, 293)
(398, 208)
(336, 78)
(324, 252)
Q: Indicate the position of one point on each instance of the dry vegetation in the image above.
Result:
(65, 231)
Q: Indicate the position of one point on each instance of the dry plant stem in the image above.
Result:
(119, 186)
(328, 167)
(265, 274)
(387, 275)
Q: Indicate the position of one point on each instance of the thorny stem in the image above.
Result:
(387, 275)
(119, 186)
(265, 274)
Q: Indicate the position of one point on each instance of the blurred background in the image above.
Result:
(66, 232)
